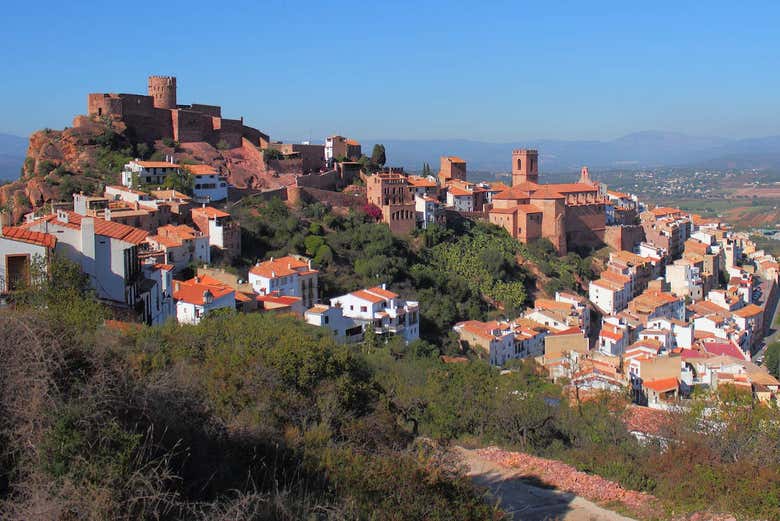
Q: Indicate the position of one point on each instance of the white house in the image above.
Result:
(609, 296)
(22, 253)
(383, 310)
(289, 276)
(345, 330)
(427, 210)
(460, 199)
(107, 252)
(157, 293)
(497, 339)
(613, 337)
(181, 245)
(147, 172)
(208, 184)
(196, 298)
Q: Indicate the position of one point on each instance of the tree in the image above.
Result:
(772, 359)
(378, 156)
(426, 170)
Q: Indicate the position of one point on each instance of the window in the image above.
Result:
(325, 319)
(363, 309)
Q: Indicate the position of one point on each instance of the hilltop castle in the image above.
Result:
(570, 215)
(157, 116)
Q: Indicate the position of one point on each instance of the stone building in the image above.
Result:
(394, 195)
(569, 215)
(157, 115)
(451, 168)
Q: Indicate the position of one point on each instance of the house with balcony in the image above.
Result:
(199, 296)
(180, 246)
(383, 310)
(24, 257)
(289, 276)
(224, 233)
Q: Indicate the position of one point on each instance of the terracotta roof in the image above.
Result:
(192, 290)
(547, 192)
(724, 349)
(662, 385)
(156, 164)
(365, 295)
(516, 192)
(285, 300)
(459, 192)
(352, 142)
(280, 267)
(165, 267)
(102, 227)
(379, 290)
(570, 331)
(662, 210)
(750, 310)
(567, 188)
(421, 182)
(455, 159)
(28, 236)
(211, 212)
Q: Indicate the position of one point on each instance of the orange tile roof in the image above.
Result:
(211, 212)
(24, 235)
(514, 209)
(516, 192)
(281, 267)
(750, 310)
(365, 295)
(459, 192)
(421, 182)
(383, 292)
(110, 229)
(156, 164)
(165, 267)
(569, 188)
(201, 169)
(455, 159)
(662, 385)
(352, 142)
(192, 290)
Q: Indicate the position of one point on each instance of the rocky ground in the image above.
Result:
(532, 488)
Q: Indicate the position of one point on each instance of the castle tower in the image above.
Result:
(163, 90)
(525, 166)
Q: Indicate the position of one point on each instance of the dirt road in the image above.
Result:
(525, 500)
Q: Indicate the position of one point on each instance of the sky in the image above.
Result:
(491, 71)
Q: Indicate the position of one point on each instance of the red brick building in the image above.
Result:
(394, 195)
(573, 215)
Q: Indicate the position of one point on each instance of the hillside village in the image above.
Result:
(682, 301)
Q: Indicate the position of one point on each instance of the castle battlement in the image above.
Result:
(157, 115)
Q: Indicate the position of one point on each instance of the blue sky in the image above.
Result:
(491, 70)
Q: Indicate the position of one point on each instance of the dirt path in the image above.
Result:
(525, 500)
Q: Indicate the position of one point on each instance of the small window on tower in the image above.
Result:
(519, 164)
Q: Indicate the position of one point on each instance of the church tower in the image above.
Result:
(525, 166)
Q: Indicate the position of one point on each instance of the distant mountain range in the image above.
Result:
(647, 149)
(12, 152)
(638, 150)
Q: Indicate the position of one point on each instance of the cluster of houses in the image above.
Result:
(689, 307)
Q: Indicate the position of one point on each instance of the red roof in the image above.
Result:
(102, 227)
(202, 170)
(211, 212)
(25, 235)
(662, 385)
(156, 164)
(192, 290)
(723, 348)
(280, 267)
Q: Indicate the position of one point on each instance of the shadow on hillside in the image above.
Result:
(525, 498)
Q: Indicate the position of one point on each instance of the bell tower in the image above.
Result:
(525, 166)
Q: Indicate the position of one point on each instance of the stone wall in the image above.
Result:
(585, 225)
(325, 181)
(624, 237)
(298, 194)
